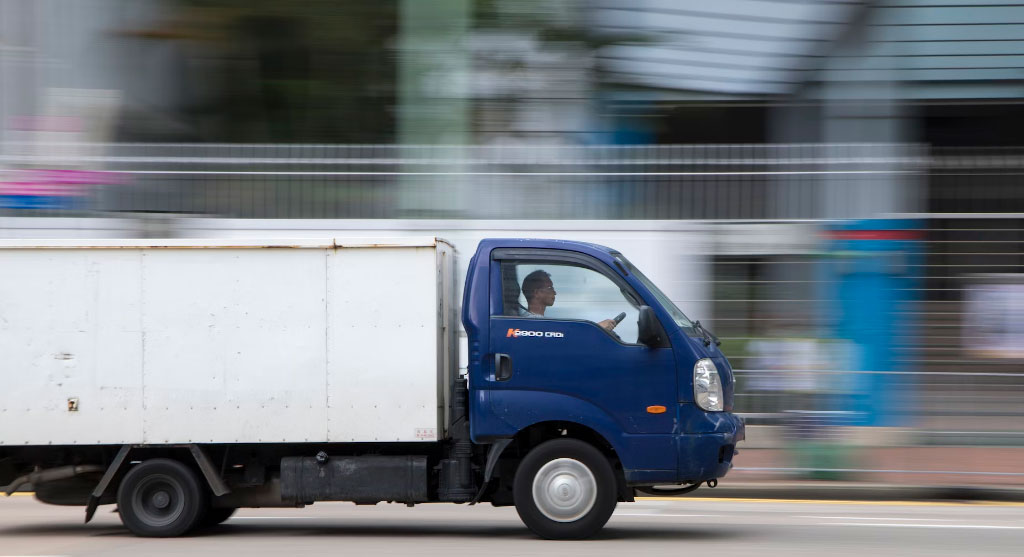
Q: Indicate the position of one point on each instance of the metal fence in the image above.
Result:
(959, 364)
(506, 182)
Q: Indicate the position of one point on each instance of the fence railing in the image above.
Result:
(503, 182)
(957, 368)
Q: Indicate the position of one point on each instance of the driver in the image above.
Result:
(540, 293)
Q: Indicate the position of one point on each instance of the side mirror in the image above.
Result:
(649, 328)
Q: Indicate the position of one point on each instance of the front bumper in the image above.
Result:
(703, 453)
(707, 455)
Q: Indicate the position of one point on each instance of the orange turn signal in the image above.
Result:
(655, 409)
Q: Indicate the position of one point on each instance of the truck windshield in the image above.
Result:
(677, 315)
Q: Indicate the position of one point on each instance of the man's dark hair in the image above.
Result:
(534, 281)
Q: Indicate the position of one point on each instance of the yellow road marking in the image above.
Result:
(842, 502)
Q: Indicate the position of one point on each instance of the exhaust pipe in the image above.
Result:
(50, 475)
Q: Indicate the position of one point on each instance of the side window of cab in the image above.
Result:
(542, 289)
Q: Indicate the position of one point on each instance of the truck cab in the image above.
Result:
(652, 392)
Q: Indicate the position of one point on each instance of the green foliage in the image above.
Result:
(297, 71)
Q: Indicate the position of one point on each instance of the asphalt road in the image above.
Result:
(648, 527)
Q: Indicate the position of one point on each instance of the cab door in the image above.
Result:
(551, 344)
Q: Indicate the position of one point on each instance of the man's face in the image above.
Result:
(546, 293)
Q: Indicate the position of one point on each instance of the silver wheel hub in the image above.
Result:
(564, 490)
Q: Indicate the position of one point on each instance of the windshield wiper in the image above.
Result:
(706, 334)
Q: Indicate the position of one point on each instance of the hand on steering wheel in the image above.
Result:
(609, 324)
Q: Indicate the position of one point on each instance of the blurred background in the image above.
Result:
(832, 186)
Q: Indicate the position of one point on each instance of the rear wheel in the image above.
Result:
(161, 498)
(565, 489)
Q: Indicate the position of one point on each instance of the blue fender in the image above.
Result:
(518, 410)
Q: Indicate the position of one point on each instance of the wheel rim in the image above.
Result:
(564, 490)
(158, 500)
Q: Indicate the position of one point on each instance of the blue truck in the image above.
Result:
(583, 384)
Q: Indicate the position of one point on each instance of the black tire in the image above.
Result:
(581, 484)
(216, 515)
(161, 498)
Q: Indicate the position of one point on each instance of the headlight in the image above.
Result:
(707, 386)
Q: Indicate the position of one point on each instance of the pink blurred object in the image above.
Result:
(46, 123)
(56, 183)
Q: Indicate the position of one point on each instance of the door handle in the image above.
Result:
(502, 367)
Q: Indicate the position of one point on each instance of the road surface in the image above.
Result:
(649, 527)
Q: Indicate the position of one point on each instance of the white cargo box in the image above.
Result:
(225, 341)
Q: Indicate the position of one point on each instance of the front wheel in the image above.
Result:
(565, 489)
(161, 498)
